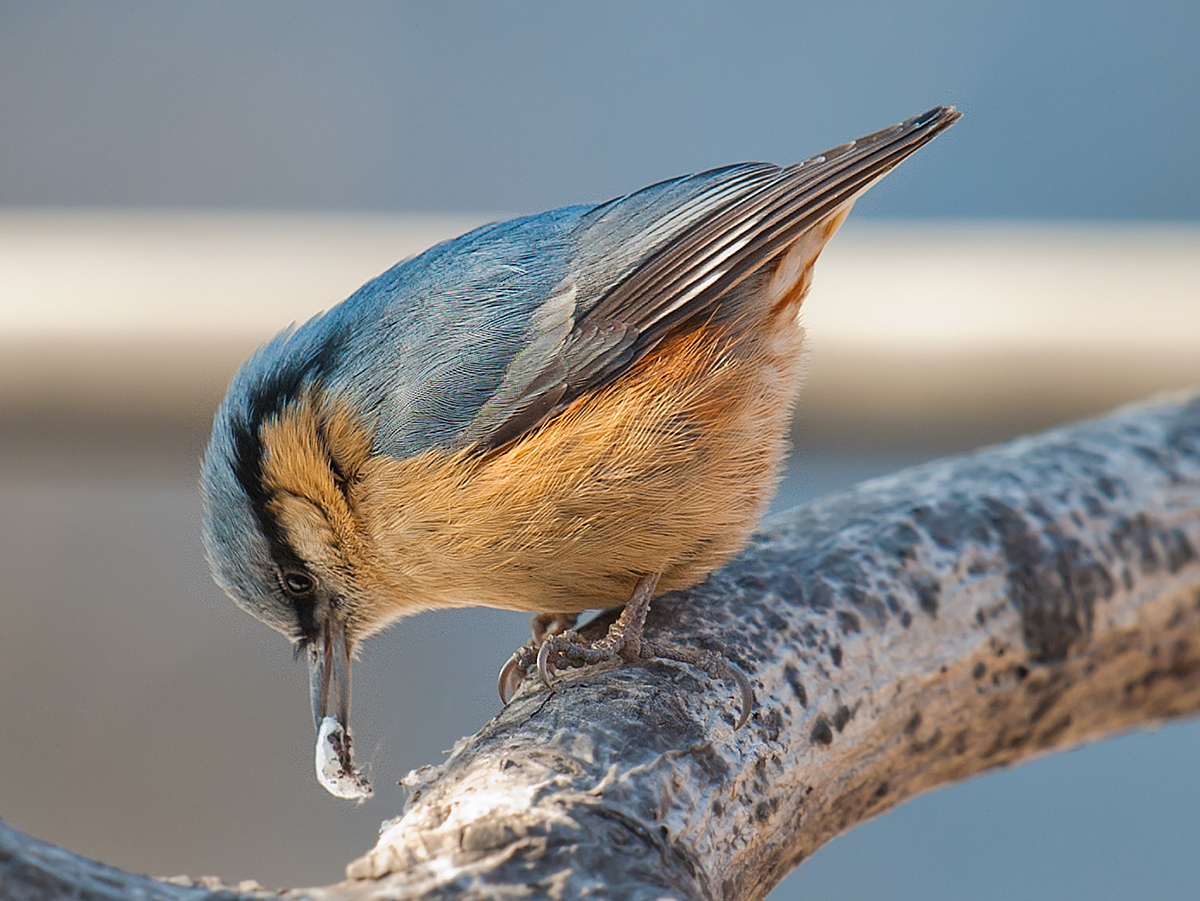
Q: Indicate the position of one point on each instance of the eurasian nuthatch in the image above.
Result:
(554, 414)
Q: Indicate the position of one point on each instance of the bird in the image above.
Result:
(575, 410)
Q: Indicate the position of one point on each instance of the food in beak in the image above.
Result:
(335, 763)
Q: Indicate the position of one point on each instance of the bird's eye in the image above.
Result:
(297, 584)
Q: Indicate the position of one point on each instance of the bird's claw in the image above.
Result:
(546, 628)
(512, 674)
(556, 651)
(544, 666)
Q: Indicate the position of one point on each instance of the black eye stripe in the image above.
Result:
(302, 368)
(292, 576)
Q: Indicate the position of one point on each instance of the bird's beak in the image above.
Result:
(329, 672)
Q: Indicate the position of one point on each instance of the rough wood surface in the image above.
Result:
(906, 633)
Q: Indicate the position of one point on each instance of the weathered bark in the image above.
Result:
(906, 633)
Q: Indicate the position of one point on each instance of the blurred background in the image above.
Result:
(180, 180)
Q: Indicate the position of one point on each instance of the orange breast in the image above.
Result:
(665, 470)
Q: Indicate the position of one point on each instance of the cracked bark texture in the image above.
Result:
(909, 632)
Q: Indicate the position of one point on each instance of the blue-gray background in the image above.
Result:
(1074, 110)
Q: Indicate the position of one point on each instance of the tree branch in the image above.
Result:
(906, 633)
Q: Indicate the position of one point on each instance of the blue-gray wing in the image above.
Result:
(647, 264)
(481, 337)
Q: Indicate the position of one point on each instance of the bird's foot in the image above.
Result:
(623, 641)
(541, 627)
(555, 644)
(558, 648)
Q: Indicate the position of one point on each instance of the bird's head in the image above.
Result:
(278, 519)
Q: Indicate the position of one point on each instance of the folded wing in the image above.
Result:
(651, 263)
